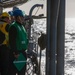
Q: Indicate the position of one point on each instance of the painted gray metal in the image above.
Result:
(55, 37)
(61, 39)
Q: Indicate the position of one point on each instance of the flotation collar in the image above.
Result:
(3, 30)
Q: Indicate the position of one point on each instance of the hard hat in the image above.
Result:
(18, 12)
(15, 8)
(5, 14)
(11, 13)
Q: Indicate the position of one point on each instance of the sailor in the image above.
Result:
(4, 51)
(18, 43)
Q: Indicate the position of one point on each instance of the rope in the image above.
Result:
(37, 10)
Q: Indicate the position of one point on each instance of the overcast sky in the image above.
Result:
(70, 8)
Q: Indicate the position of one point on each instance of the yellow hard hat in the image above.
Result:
(5, 14)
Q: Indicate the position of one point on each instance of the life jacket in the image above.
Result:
(21, 43)
(4, 32)
(22, 38)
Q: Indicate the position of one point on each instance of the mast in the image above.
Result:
(61, 38)
(52, 17)
(55, 37)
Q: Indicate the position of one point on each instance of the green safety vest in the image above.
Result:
(22, 38)
(21, 43)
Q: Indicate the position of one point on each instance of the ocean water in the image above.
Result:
(39, 27)
(69, 56)
(70, 46)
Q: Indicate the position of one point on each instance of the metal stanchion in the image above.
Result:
(61, 38)
(52, 17)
